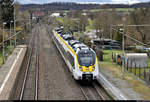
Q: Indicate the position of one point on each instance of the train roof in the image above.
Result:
(68, 37)
(71, 42)
(57, 29)
(79, 46)
(74, 44)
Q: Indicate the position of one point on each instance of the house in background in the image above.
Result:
(55, 15)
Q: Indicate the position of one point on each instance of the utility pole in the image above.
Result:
(29, 20)
(10, 32)
(123, 57)
(4, 23)
(15, 22)
(111, 37)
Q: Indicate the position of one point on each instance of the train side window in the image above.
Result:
(71, 59)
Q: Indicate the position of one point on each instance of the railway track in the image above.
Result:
(91, 91)
(29, 89)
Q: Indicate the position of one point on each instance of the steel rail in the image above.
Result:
(27, 70)
(26, 73)
(37, 71)
(95, 90)
(87, 98)
(99, 92)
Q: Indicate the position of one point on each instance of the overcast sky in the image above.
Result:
(82, 1)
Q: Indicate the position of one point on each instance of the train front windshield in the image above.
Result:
(86, 58)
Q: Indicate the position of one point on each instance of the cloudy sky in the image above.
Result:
(82, 1)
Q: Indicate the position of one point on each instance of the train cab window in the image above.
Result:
(86, 58)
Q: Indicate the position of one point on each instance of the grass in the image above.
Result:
(108, 58)
(136, 71)
(9, 49)
(95, 10)
(116, 70)
(108, 54)
(135, 84)
(1, 59)
(149, 62)
(60, 19)
(125, 9)
(98, 10)
(90, 25)
(66, 11)
(8, 52)
(117, 9)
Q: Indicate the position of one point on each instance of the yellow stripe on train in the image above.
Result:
(84, 68)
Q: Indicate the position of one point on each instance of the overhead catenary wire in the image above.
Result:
(12, 36)
(131, 37)
(141, 25)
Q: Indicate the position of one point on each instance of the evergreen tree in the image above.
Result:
(7, 9)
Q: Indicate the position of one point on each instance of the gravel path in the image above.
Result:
(55, 80)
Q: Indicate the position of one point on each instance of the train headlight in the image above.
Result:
(93, 68)
(81, 68)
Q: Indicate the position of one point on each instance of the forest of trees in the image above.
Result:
(103, 20)
(7, 15)
(6, 11)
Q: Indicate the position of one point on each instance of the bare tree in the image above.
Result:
(83, 22)
(68, 23)
(98, 25)
(141, 16)
(103, 22)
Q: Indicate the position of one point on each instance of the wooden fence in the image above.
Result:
(142, 73)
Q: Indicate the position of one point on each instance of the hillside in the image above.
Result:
(61, 6)
(74, 6)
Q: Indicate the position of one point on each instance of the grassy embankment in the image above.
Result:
(8, 51)
(115, 69)
(117, 9)
(59, 19)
